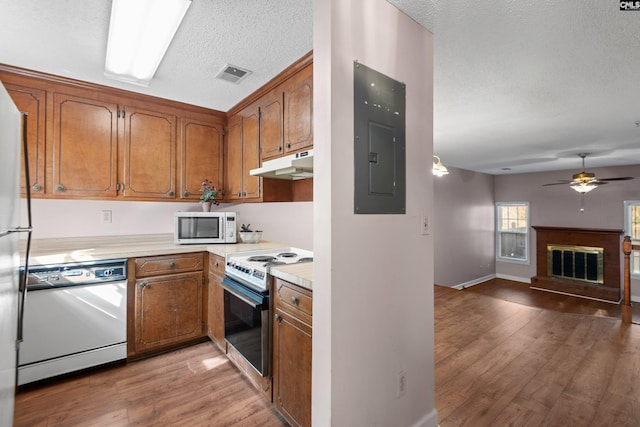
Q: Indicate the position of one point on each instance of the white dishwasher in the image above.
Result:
(75, 317)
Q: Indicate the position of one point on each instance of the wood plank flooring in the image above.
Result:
(194, 386)
(509, 356)
(505, 356)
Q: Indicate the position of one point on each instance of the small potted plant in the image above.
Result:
(247, 235)
(209, 195)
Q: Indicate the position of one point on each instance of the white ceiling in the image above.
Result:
(525, 85)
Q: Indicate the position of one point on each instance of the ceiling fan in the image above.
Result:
(584, 182)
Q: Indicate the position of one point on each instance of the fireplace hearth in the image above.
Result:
(580, 262)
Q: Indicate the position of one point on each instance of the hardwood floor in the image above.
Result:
(505, 356)
(194, 386)
(509, 356)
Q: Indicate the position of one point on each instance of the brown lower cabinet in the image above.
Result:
(215, 302)
(292, 333)
(165, 302)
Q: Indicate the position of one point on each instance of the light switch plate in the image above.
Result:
(425, 225)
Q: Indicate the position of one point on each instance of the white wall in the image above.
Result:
(558, 205)
(288, 223)
(373, 274)
(463, 228)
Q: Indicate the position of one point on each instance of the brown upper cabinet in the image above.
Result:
(201, 151)
(242, 155)
(32, 102)
(286, 115)
(85, 147)
(90, 141)
(298, 111)
(87, 134)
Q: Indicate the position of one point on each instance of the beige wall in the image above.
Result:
(289, 223)
(373, 274)
(463, 228)
(559, 206)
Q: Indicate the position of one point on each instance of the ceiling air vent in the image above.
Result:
(233, 74)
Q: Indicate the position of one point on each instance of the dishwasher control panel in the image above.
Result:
(76, 273)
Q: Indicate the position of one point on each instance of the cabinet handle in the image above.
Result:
(61, 187)
(289, 145)
(295, 301)
(186, 194)
(172, 264)
(171, 194)
(244, 194)
(36, 187)
(143, 285)
(239, 194)
(279, 148)
(278, 318)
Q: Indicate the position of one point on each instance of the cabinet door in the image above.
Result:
(292, 368)
(85, 147)
(168, 310)
(32, 102)
(215, 303)
(233, 160)
(201, 146)
(298, 110)
(250, 153)
(149, 154)
(271, 125)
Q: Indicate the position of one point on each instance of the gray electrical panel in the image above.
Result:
(379, 142)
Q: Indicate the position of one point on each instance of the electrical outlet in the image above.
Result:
(425, 226)
(402, 383)
(106, 217)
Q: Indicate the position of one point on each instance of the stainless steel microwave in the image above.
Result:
(205, 227)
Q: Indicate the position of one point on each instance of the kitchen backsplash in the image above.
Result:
(289, 223)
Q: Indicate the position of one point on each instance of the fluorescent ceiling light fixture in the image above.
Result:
(438, 168)
(139, 34)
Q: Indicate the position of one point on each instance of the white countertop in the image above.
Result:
(75, 249)
(300, 274)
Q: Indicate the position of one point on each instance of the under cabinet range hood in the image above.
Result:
(293, 166)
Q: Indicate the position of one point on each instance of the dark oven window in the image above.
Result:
(244, 329)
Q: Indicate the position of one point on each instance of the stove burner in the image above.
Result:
(261, 258)
(287, 255)
(272, 263)
(306, 259)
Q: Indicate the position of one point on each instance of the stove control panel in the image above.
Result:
(253, 274)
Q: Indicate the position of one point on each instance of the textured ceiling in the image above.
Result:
(69, 38)
(524, 85)
(527, 85)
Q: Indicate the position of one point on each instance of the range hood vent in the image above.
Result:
(293, 166)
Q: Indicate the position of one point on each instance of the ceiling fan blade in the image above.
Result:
(621, 178)
(563, 182)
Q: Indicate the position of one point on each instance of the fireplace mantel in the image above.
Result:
(607, 239)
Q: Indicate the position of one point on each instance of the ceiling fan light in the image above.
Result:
(583, 187)
(438, 168)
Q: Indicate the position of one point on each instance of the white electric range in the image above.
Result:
(252, 267)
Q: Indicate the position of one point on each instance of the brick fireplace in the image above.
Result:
(578, 261)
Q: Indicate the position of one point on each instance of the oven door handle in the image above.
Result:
(241, 292)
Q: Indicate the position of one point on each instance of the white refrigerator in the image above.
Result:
(12, 131)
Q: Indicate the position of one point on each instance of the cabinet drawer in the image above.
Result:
(153, 266)
(216, 265)
(294, 299)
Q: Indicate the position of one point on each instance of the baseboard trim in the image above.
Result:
(514, 278)
(635, 299)
(429, 420)
(474, 282)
